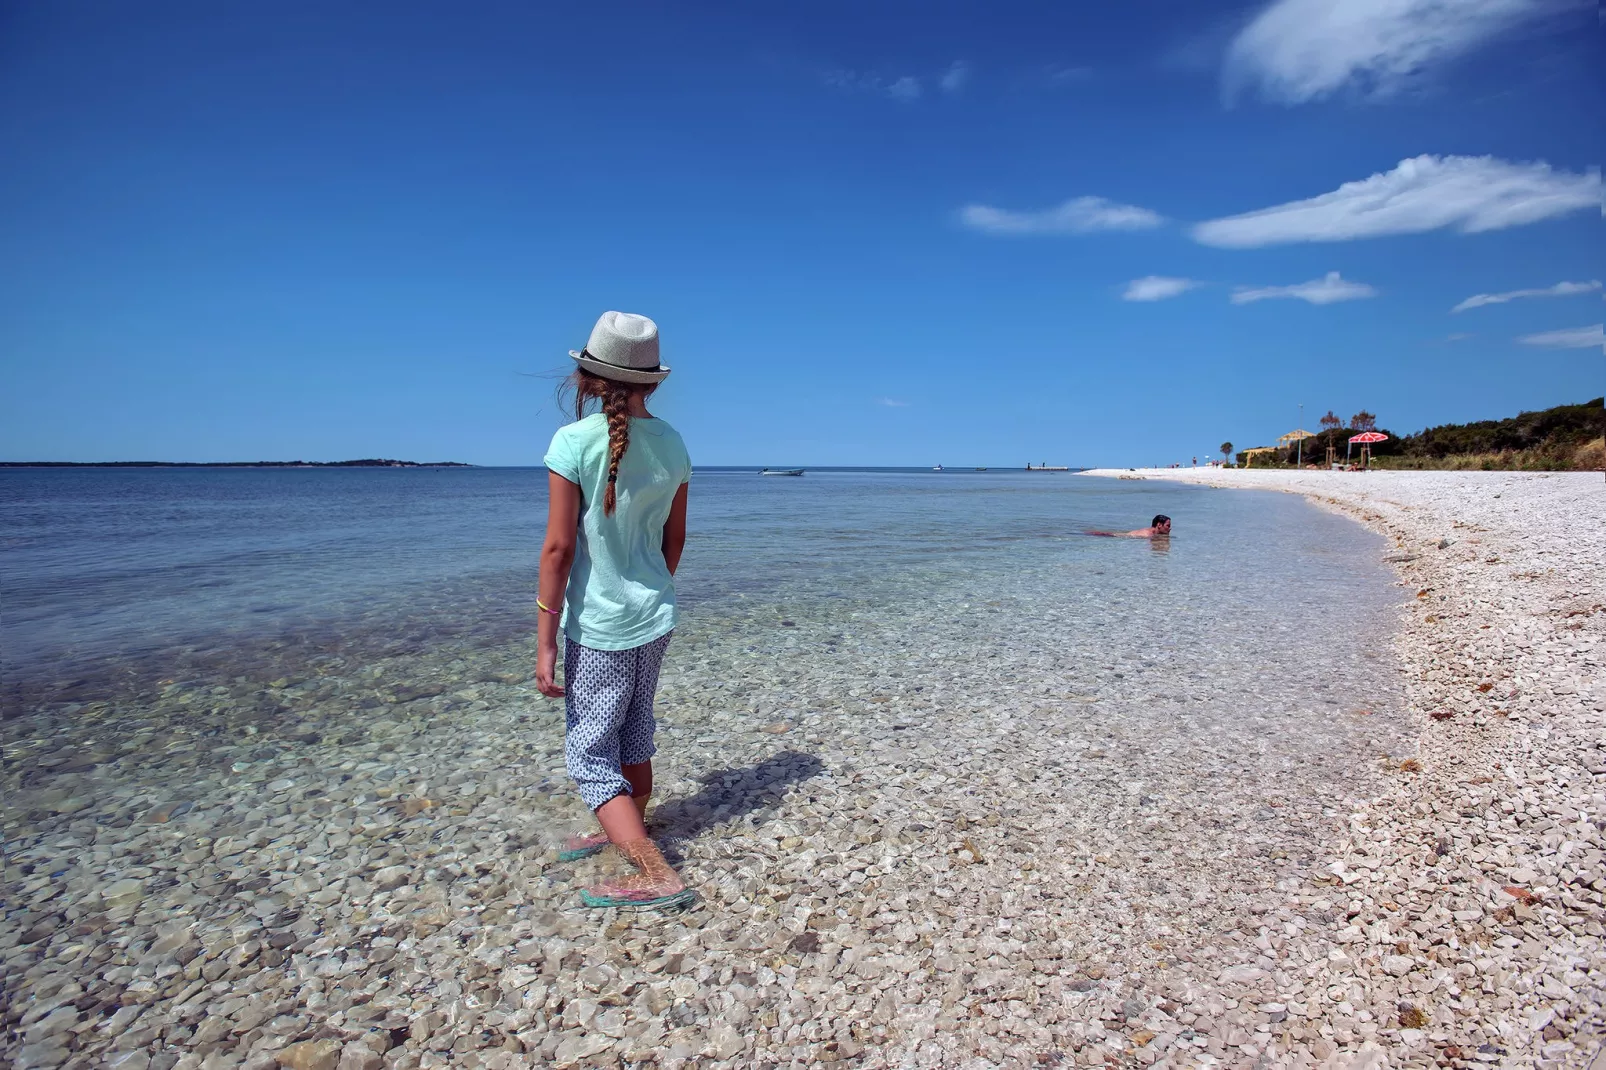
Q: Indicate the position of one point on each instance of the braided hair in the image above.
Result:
(615, 399)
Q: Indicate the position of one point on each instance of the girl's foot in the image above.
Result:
(638, 892)
(582, 845)
(639, 887)
(655, 883)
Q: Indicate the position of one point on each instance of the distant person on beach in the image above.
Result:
(1160, 528)
(616, 525)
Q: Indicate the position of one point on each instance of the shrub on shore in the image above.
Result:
(1547, 437)
(1590, 456)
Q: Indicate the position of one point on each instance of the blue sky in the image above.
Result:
(870, 233)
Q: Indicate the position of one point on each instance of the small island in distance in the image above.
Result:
(367, 462)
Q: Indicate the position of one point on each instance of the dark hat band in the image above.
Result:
(586, 353)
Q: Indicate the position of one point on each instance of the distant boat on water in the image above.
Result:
(780, 471)
(1046, 467)
(936, 468)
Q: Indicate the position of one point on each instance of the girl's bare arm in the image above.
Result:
(557, 557)
(675, 530)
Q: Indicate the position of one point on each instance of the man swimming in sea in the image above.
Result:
(1159, 528)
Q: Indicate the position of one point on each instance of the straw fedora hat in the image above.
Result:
(623, 347)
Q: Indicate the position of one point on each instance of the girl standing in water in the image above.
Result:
(616, 524)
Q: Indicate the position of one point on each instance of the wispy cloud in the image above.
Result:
(1561, 289)
(1058, 74)
(892, 403)
(1053, 75)
(1323, 291)
(906, 88)
(1157, 288)
(1049, 77)
(1591, 337)
(1300, 50)
(1203, 43)
(1469, 193)
(1076, 216)
(1458, 336)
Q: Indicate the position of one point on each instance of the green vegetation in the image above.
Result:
(1560, 438)
(1591, 456)
(1563, 438)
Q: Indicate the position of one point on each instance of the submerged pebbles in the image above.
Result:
(933, 832)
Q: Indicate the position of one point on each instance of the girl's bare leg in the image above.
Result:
(640, 777)
(621, 819)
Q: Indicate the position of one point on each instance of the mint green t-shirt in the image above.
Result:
(620, 593)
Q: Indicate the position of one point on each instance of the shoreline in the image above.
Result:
(1475, 887)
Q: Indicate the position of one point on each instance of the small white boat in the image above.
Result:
(780, 471)
(936, 468)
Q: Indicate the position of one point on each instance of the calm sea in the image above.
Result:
(113, 581)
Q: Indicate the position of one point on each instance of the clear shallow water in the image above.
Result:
(112, 581)
(235, 699)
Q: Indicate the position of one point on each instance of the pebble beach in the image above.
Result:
(978, 849)
(1467, 900)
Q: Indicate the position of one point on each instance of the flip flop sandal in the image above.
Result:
(684, 897)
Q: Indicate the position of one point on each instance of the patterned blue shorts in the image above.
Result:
(608, 713)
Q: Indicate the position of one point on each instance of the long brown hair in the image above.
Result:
(615, 401)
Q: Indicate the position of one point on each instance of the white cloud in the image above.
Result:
(1591, 337)
(1300, 50)
(1049, 77)
(1470, 193)
(1053, 75)
(1157, 288)
(892, 403)
(1458, 336)
(955, 77)
(905, 88)
(1322, 291)
(1561, 289)
(1076, 216)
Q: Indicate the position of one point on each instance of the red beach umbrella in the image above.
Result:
(1365, 438)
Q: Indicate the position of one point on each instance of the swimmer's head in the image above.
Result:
(1162, 524)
